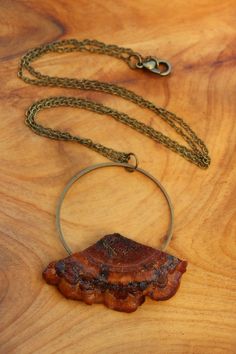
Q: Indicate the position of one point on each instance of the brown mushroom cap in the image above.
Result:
(118, 272)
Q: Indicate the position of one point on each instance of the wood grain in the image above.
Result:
(198, 37)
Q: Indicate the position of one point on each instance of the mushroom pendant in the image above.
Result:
(117, 272)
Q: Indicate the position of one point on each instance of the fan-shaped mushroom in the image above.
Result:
(118, 272)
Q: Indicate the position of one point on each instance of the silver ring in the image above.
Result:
(111, 164)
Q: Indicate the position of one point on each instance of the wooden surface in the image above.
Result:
(198, 37)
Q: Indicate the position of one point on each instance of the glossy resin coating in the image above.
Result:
(117, 272)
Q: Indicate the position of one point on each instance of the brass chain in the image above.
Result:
(196, 153)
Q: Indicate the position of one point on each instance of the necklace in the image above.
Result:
(196, 153)
(116, 271)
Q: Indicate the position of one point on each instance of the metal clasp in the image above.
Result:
(155, 65)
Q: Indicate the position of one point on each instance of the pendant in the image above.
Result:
(116, 270)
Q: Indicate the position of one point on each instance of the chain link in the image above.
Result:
(196, 153)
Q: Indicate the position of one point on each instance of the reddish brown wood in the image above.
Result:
(198, 38)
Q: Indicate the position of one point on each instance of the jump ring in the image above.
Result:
(136, 162)
(139, 61)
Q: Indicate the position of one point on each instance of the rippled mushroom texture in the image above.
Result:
(117, 272)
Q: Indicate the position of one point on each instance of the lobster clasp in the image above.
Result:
(157, 66)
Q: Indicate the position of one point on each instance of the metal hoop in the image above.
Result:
(111, 164)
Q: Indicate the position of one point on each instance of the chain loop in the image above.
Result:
(135, 61)
(196, 152)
